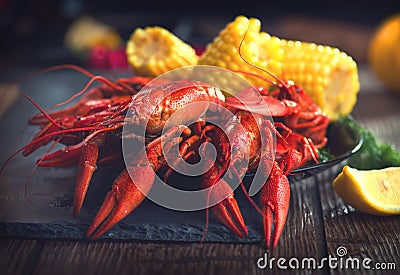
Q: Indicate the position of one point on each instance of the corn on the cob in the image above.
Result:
(87, 32)
(154, 50)
(327, 74)
(258, 48)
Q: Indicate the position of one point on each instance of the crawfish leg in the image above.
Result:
(185, 151)
(87, 166)
(69, 156)
(34, 145)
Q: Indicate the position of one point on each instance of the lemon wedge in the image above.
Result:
(375, 192)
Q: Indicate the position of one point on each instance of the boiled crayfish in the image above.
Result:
(92, 132)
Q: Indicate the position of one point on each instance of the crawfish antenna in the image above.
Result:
(282, 70)
(26, 195)
(256, 66)
(84, 72)
(246, 194)
(93, 78)
(41, 110)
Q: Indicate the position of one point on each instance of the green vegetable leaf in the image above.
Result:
(324, 155)
(373, 154)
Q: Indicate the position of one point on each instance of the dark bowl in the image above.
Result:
(342, 143)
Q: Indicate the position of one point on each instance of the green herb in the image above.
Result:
(372, 154)
(324, 155)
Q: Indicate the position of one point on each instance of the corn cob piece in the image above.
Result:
(87, 32)
(258, 48)
(154, 50)
(327, 74)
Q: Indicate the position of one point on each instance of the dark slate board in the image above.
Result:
(46, 212)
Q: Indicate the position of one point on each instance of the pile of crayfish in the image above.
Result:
(91, 131)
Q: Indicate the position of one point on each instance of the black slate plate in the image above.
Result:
(46, 210)
(42, 207)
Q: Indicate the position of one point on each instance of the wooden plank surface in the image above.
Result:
(18, 256)
(300, 239)
(138, 258)
(377, 238)
(362, 236)
(318, 224)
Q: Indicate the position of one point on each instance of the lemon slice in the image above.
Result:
(375, 192)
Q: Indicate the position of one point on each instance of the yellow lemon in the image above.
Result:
(375, 192)
(384, 53)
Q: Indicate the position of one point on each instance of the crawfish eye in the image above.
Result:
(235, 149)
(137, 87)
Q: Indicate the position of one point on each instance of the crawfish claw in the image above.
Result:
(124, 197)
(274, 199)
(279, 223)
(227, 211)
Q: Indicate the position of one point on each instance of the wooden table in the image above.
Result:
(319, 225)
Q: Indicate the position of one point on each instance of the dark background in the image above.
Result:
(32, 31)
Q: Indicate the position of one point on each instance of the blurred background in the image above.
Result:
(33, 32)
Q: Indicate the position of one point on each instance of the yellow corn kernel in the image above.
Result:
(327, 74)
(154, 50)
(258, 48)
